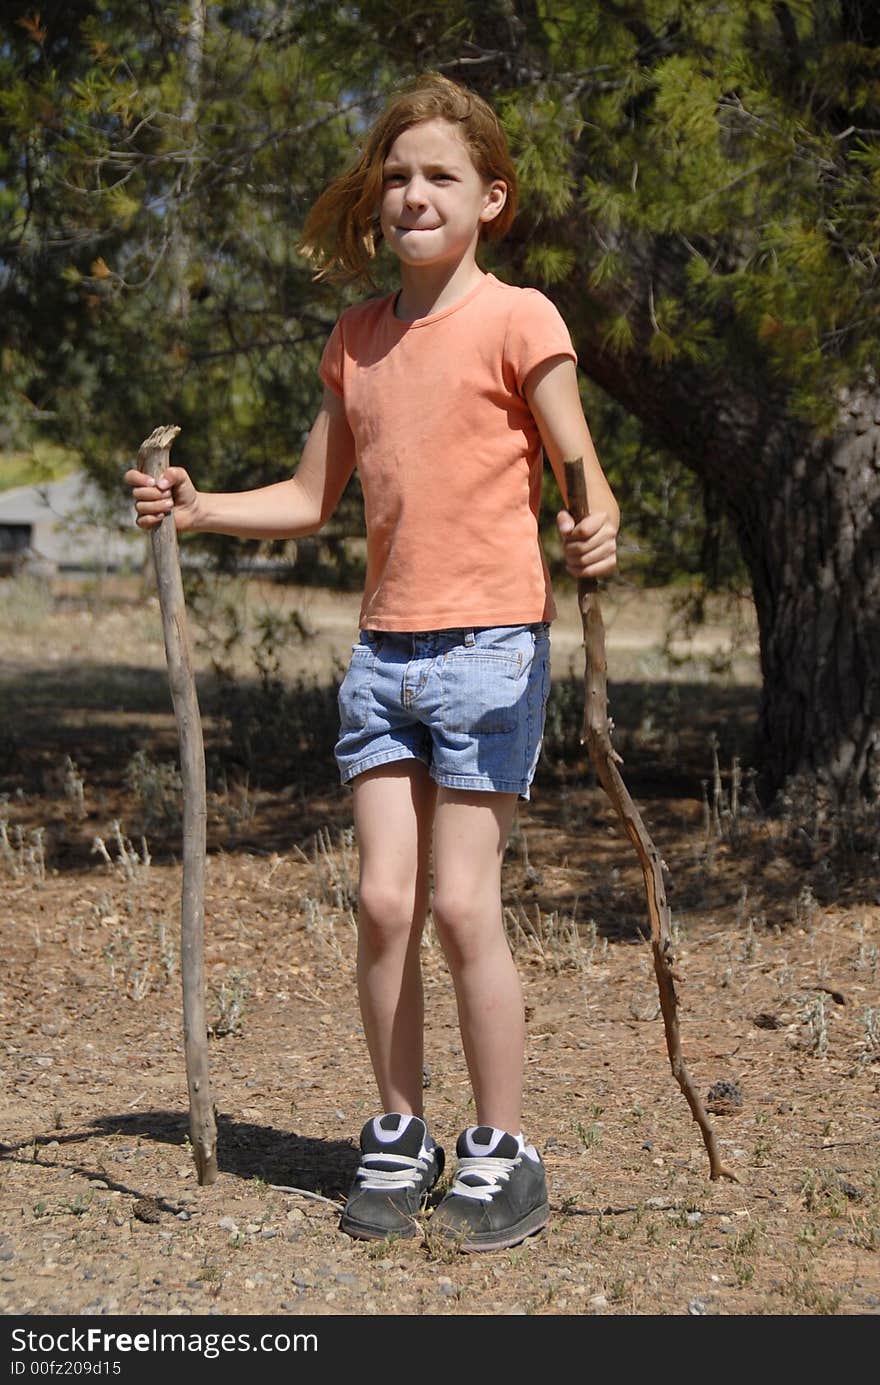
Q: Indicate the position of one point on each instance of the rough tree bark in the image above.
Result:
(813, 550)
(807, 516)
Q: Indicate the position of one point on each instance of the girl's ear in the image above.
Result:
(496, 199)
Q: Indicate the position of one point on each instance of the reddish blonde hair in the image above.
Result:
(342, 231)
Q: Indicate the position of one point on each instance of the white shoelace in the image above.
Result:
(388, 1180)
(495, 1172)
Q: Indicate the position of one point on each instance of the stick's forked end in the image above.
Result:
(159, 438)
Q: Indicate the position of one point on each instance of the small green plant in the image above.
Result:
(590, 1137)
(816, 1023)
(806, 909)
(235, 804)
(129, 972)
(167, 953)
(749, 949)
(128, 862)
(870, 1034)
(744, 1272)
(808, 1294)
(24, 855)
(231, 996)
(336, 869)
(26, 602)
(323, 924)
(741, 1249)
(74, 787)
(551, 938)
(864, 1235)
(440, 1248)
(868, 954)
(808, 1235)
(825, 1193)
(380, 1250)
(158, 790)
(761, 1152)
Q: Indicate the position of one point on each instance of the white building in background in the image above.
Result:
(67, 524)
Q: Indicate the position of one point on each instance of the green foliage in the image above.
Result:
(152, 238)
(701, 184)
(744, 142)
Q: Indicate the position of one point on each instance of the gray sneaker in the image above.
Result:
(400, 1163)
(499, 1194)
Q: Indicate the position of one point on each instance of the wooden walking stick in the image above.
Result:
(152, 459)
(596, 733)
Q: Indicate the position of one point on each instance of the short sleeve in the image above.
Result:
(535, 333)
(330, 368)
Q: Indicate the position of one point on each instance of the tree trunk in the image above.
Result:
(807, 515)
(812, 544)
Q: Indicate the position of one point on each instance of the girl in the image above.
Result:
(443, 395)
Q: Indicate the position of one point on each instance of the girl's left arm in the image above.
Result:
(553, 397)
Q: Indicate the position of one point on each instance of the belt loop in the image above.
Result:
(469, 637)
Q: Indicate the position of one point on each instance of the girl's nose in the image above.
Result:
(414, 193)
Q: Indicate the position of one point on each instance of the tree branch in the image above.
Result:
(597, 735)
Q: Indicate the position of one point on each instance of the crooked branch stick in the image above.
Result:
(153, 458)
(596, 734)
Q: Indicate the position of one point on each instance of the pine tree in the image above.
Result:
(701, 196)
(702, 199)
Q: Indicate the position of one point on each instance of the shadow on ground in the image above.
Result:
(272, 744)
(244, 1149)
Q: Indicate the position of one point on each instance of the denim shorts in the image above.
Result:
(468, 703)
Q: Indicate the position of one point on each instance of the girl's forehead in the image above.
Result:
(430, 139)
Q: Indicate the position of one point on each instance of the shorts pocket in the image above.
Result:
(353, 698)
(484, 688)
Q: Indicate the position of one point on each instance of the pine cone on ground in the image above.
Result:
(724, 1098)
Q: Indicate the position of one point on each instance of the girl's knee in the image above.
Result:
(386, 913)
(465, 925)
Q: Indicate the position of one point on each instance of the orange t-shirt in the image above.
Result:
(449, 455)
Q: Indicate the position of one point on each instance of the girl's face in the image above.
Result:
(433, 199)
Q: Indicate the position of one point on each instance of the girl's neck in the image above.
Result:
(431, 289)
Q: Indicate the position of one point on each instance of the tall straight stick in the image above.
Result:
(596, 734)
(153, 457)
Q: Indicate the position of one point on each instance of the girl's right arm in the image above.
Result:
(289, 509)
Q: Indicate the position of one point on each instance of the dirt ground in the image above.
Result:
(777, 929)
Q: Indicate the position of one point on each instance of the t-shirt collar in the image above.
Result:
(444, 312)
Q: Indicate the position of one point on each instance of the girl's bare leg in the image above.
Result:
(393, 810)
(470, 833)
